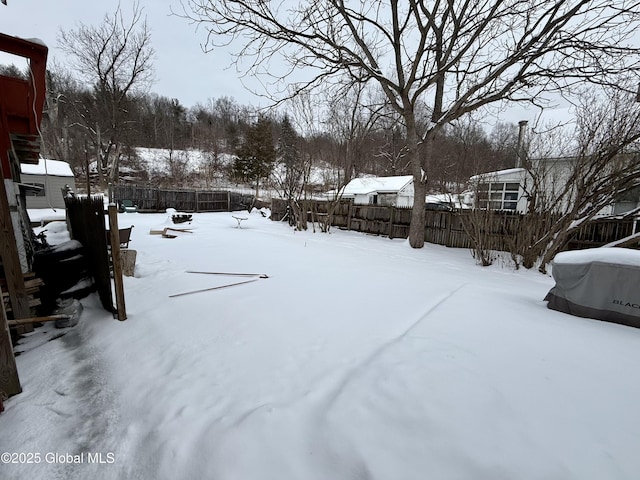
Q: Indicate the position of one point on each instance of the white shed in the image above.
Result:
(49, 177)
(396, 191)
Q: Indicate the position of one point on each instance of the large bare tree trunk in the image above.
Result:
(416, 229)
(114, 170)
(419, 154)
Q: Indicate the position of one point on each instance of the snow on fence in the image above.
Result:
(448, 228)
(151, 199)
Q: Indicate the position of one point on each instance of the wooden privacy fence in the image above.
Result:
(151, 199)
(442, 228)
(602, 231)
(448, 228)
(87, 225)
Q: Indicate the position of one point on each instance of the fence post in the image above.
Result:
(392, 215)
(424, 231)
(349, 215)
(117, 262)
(197, 200)
(228, 201)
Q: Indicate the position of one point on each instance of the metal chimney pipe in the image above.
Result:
(520, 153)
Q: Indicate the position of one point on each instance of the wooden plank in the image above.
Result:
(178, 230)
(168, 230)
(117, 262)
(48, 318)
(9, 381)
(33, 302)
(34, 283)
(10, 257)
(28, 276)
(30, 291)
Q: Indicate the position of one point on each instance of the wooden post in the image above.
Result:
(86, 165)
(350, 203)
(48, 318)
(116, 261)
(11, 259)
(391, 219)
(9, 381)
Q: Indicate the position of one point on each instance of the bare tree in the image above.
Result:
(291, 174)
(58, 139)
(114, 57)
(351, 118)
(393, 151)
(295, 182)
(504, 142)
(455, 57)
(350, 121)
(567, 178)
(461, 150)
(602, 164)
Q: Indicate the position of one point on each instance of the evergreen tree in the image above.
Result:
(289, 155)
(256, 156)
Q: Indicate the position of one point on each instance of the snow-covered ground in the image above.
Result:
(358, 358)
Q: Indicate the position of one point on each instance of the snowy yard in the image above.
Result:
(358, 358)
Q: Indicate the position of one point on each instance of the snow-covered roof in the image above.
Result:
(362, 186)
(47, 166)
(441, 198)
(499, 173)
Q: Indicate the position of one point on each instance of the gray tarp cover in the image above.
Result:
(598, 283)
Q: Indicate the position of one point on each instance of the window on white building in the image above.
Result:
(498, 195)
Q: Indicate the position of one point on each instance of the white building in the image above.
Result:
(44, 183)
(502, 190)
(396, 191)
(510, 189)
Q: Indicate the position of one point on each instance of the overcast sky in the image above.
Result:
(182, 70)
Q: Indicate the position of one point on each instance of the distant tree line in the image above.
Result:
(100, 106)
(78, 129)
